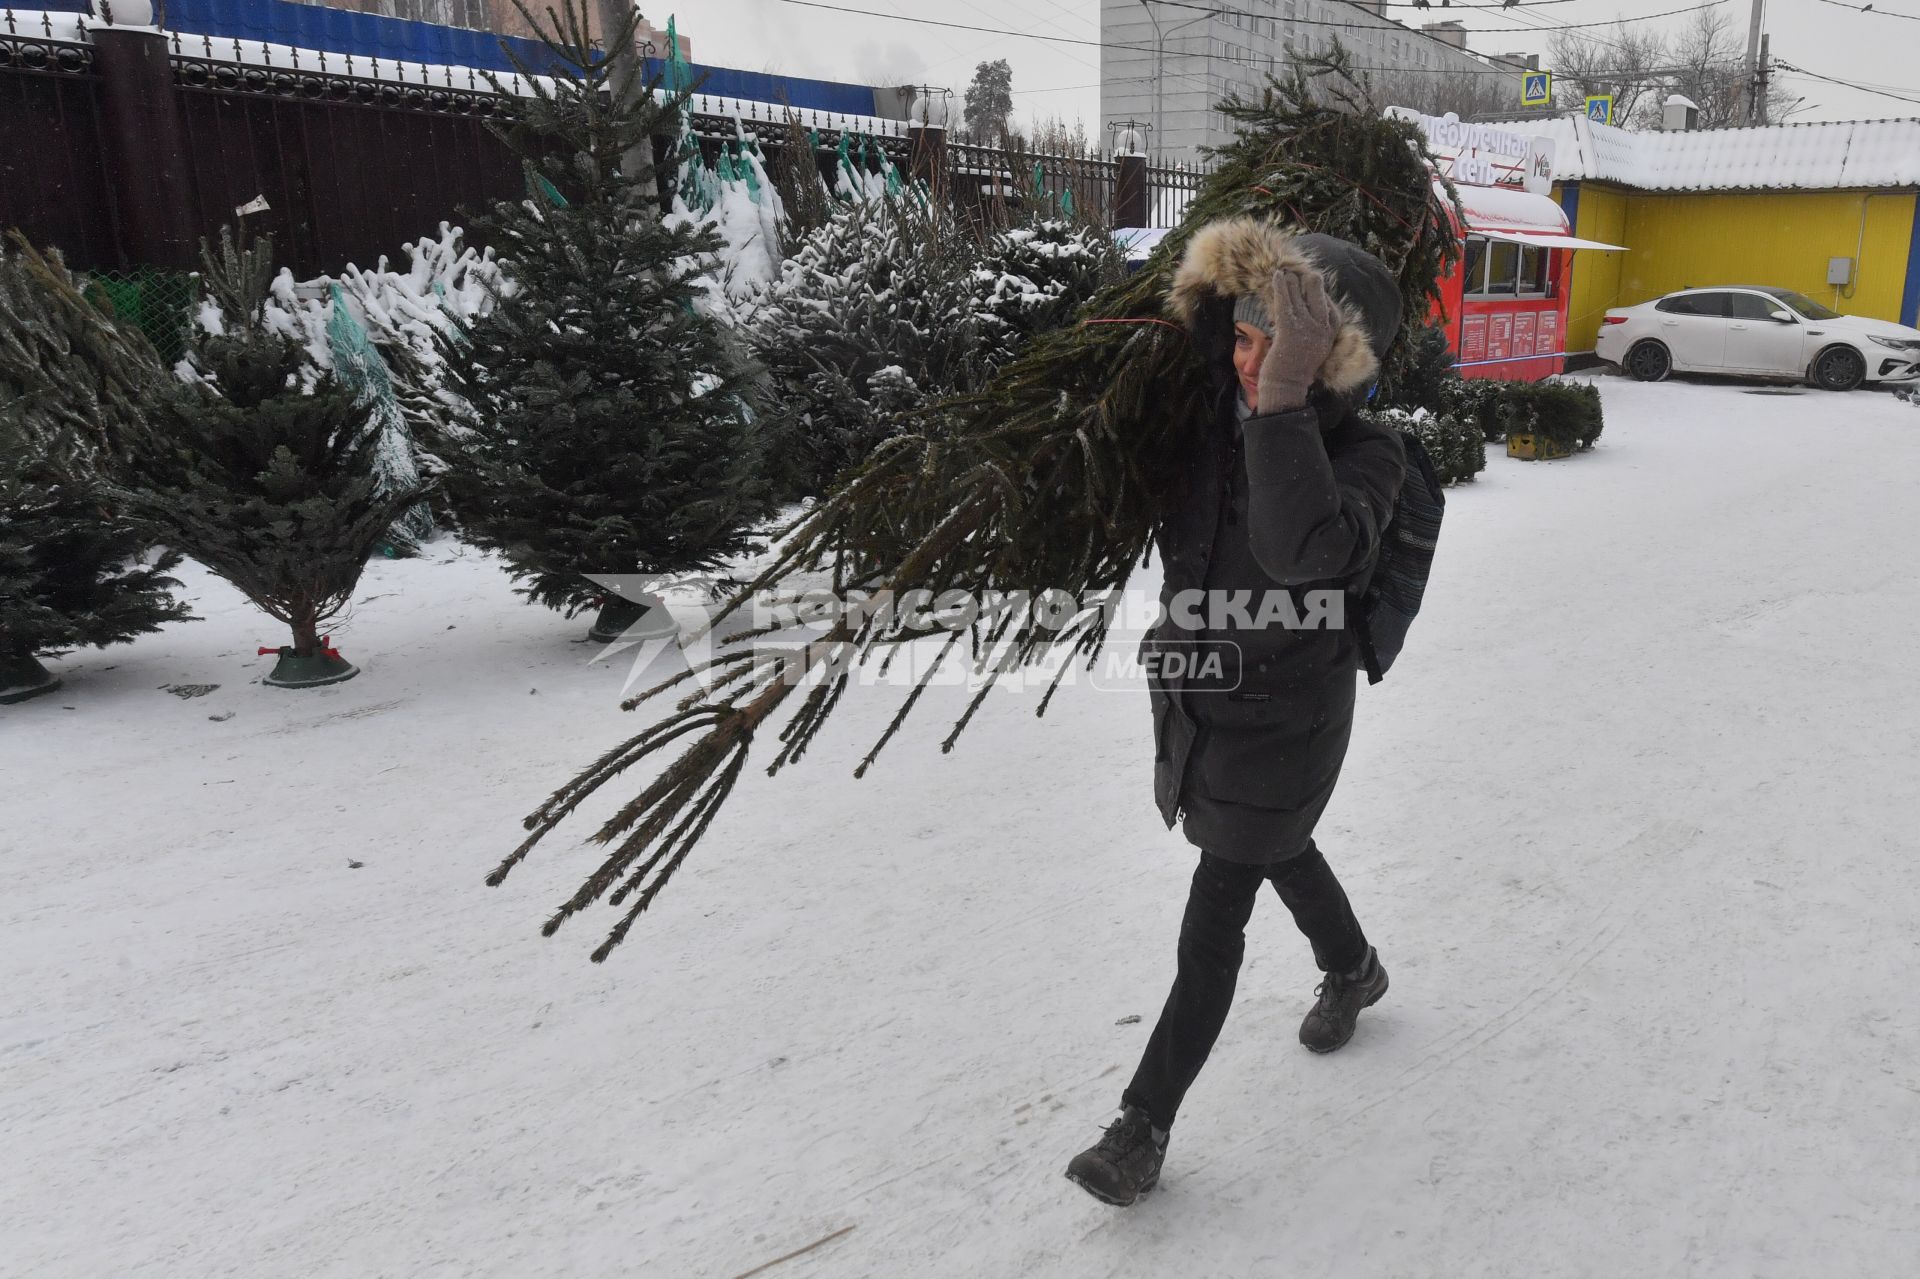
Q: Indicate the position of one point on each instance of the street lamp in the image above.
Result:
(1128, 137)
(1160, 55)
(932, 106)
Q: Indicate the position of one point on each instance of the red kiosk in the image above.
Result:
(1504, 304)
(1505, 301)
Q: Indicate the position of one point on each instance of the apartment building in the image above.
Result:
(1185, 59)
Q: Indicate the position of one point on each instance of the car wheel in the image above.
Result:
(1839, 368)
(1649, 362)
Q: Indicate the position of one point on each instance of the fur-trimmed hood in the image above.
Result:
(1236, 256)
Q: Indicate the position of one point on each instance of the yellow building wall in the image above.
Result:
(1596, 275)
(1783, 239)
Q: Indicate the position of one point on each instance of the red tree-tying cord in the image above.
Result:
(1144, 320)
(326, 649)
(1290, 209)
(1321, 168)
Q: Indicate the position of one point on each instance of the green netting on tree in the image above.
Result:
(158, 303)
(358, 366)
(538, 185)
(744, 170)
(698, 190)
(849, 178)
(679, 75)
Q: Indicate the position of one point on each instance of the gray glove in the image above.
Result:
(1305, 322)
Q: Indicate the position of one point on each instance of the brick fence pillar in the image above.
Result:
(146, 153)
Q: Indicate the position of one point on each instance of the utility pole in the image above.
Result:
(1754, 108)
(617, 16)
(1148, 6)
(1765, 79)
(1160, 35)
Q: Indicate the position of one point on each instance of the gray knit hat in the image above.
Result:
(1251, 308)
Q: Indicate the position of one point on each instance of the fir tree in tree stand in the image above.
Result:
(72, 568)
(605, 434)
(262, 467)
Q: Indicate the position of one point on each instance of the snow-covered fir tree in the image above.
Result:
(872, 313)
(1036, 275)
(894, 302)
(729, 192)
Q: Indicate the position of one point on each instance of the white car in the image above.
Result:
(1761, 332)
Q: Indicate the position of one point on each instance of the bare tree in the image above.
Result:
(1054, 136)
(1470, 96)
(1708, 64)
(1626, 63)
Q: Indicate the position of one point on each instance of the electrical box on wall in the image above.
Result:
(1840, 272)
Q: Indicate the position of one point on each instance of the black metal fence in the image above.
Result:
(354, 157)
(351, 168)
(53, 182)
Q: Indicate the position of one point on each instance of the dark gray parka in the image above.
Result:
(1289, 502)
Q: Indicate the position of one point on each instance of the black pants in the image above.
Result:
(1212, 941)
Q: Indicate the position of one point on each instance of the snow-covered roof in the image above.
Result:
(1843, 155)
(1504, 208)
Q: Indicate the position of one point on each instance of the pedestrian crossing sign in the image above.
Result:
(1600, 108)
(1536, 89)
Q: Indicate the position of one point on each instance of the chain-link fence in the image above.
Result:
(159, 303)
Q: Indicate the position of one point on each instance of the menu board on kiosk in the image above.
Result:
(1473, 339)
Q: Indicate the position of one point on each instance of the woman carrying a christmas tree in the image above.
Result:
(1285, 492)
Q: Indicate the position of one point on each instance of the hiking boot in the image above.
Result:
(1124, 1164)
(1331, 1020)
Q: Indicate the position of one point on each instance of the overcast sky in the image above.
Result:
(1051, 77)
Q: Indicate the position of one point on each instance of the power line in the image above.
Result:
(1872, 9)
(1791, 69)
(1271, 63)
(1055, 22)
(1362, 26)
(1223, 10)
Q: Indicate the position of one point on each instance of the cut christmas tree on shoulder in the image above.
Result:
(1046, 483)
(603, 430)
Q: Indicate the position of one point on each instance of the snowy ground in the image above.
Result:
(1631, 824)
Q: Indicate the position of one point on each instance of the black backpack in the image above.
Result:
(1406, 558)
